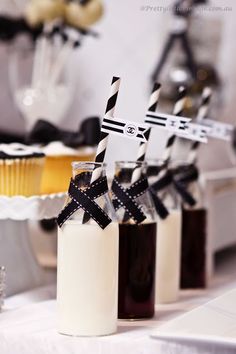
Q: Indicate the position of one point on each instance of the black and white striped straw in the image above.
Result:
(153, 102)
(103, 142)
(136, 174)
(202, 114)
(110, 110)
(177, 111)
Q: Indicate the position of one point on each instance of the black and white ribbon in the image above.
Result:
(125, 198)
(128, 129)
(85, 199)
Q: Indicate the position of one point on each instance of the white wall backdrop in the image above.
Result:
(129, 45)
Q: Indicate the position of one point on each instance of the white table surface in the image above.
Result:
(28, 325)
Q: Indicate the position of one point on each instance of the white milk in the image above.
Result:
(168, 256)
(87, 279)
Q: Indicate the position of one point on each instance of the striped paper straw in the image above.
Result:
(202, 114)
(177, 111)
(102, 145)
(153, 102)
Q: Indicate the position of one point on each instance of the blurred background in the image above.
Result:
(132, 35)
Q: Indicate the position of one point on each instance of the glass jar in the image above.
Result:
(168, 250)
(87, 280)
(194, 240)
(35, 94)
(137, 250)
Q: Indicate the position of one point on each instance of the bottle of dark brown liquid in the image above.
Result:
(137, 250)
(193, 258)
(194, 242)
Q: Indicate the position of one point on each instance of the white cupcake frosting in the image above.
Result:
(15, 150)
(57, 148)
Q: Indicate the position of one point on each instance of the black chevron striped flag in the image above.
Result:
(128, 129)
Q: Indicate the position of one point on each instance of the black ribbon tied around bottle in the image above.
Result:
(180, 177)
(161, 210)
(125, 198)
(85, 198)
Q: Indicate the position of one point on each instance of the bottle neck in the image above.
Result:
(83, 173)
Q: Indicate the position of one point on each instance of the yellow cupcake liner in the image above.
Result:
(58, 172)
(21, 176)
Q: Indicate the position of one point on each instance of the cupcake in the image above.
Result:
(57, 170)
(21, 169)
(61, 148)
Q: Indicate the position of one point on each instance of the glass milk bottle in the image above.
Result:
(87, 279)
(168, 251)
(194, 272)
(137, 246)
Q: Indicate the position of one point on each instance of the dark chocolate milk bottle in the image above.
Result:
(137, 241)
(194, 262)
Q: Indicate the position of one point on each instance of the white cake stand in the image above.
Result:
(31, 208)
(16, 254)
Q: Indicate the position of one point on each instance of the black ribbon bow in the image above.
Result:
(11, 27)
(125, 198)
(180, 177)
(85, 198)
(45, 132)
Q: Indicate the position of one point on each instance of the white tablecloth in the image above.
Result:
(28, 325)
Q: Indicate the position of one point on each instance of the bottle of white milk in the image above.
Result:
(168, 246)
(87, 279)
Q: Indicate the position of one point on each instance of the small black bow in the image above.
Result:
(11, 27)
(181, 177)
(45, 132)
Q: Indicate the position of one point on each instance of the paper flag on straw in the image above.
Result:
(128, 129)
(167, 121)
(196, 132)
(219, 130)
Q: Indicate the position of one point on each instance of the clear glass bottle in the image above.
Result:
(168, 251)
(137, 251)
(87, 280)
(194, 240)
